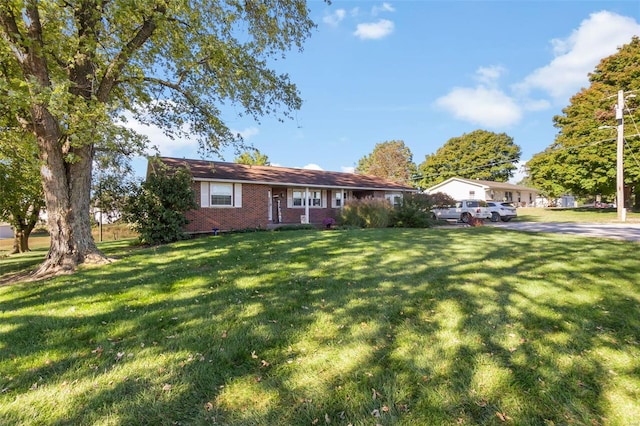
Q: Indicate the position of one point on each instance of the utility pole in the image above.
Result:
(619, 159)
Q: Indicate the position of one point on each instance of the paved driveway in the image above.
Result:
(627, 231)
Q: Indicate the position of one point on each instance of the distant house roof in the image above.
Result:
(486, 184)
(271, 175)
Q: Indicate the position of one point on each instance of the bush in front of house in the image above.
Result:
(366, 213)
(414, 211)
(157, 208)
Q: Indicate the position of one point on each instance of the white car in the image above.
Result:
(501, 211)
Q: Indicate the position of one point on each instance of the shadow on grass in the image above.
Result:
(461, 326)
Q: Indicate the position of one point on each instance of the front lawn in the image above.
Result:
(576, 215)
(363, 327)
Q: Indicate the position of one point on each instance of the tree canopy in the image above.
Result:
(582, 159)
(391, 160)
(477, 155)
(253, 158)
(21, 199)
(21, 195)
(79, 68)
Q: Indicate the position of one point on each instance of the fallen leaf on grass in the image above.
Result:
(502, 416)
(166, 387)
(375, 394)
(208, 406)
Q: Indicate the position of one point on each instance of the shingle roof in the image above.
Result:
(233, 172)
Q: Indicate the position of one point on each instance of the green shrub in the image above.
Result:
(366, 213)
(295, 227)
(409, 215)
(157, 208)
(414, 211)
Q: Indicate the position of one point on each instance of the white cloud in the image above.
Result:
(488, 107)
(486, 104)
(166, 146)
(348, 169)
(312, 166)
(576, 56)
(489, 75)
(247, 133)
(335, 18)
(386, 7)
(374, 30)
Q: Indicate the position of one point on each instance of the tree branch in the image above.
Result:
(193, 100)
(143, 34)
(12, 32)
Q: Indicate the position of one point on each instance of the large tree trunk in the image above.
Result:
(25, 219)
(20, 242)
(67, 191)
(21, 238)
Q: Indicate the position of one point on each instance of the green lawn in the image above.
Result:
(363, 327)
(578, 215)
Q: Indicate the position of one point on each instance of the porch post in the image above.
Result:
(306, 204)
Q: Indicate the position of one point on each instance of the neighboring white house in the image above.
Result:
(460, 189)
(6, 230)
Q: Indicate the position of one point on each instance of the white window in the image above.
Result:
(336, 201)
(297, 198)
(472, 194)
(315, 199)
(395, 199)
(220, 194)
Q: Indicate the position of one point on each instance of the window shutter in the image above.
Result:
(237, 195)
(204, 194)
(289, 198)
(323, 197)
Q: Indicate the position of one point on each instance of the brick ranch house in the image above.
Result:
(238, 196)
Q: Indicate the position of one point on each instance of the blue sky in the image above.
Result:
(426, 71)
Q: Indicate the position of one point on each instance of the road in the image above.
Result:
(627, 231)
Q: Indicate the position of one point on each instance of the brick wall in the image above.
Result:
(316, 214)
(254, 211)
(252, 214)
